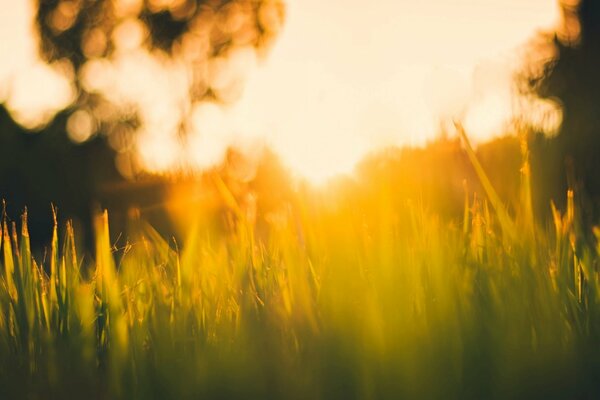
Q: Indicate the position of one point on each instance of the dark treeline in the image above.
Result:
(572, 78)
(44, 167)
(38, 169)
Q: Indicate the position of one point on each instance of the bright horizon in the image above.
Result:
(343, 79)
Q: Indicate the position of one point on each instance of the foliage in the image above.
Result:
(570, 78)
(77, 34)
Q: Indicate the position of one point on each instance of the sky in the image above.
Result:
(345, 77)
(349, 76)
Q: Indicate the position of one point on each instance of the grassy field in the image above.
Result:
(342, 297)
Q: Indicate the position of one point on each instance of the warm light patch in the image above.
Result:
(345, 77)
(80, 126)
(33, 90)
(36, 93)
(339, 84)
(209, 142)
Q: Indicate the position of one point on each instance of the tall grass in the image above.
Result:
(349, 297)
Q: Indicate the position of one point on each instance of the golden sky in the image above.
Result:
(348, 76)
(345, 77)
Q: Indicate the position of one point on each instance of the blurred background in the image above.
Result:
(150, 105)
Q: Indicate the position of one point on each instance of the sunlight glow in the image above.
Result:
(344, 78)
(80, 126)
(348, 77)
(32, 90)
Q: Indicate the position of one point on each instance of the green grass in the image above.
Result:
(342, 297)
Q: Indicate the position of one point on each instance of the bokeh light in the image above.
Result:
(344, 78)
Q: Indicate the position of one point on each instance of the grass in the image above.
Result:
(342, 297)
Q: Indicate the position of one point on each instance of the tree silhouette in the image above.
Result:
(37, 169)
(79, 30)
(572, 77)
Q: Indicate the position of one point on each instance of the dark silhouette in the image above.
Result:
(38, 169)
(81, 30)
(572, 77)
(44, 167)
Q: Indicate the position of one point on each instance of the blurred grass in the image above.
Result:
(343, 297)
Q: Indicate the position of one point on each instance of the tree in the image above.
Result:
(36, 170)
(572, 77)
(198, 34)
